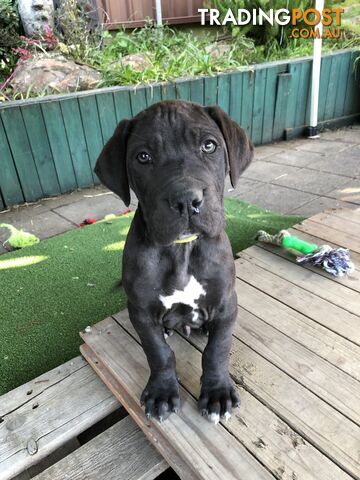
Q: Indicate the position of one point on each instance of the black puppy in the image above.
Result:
(178, 268)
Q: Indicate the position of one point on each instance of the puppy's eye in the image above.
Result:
(143, 157)
(208, 146)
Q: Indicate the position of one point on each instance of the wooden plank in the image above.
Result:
(9, 181)
(342, 75)
(182, 88)
(258, 106)
(324, 82)
(21, 151)
(168, 91)
(223, 98)
(76, 139)
(340, 223)
(36, 131)
(137, 99)
(295, 71)
(121, 452)
(197, 91)
(92, 130)
(208, 452)
(247, 102)
(312, 418)
(269, 107)
(352, 101)
(134, 409)
(236, 96)
(282, 95)
(153, 94)
(259, 429)
(331, 234)
(304, 86)
(327, 314)
(352, 215)
(122, 105)
(211, 90)
(333, 87)
(59, 145)
(47, 412)
(335, 387)
(107, 115)
(289, 270)
(317, 338)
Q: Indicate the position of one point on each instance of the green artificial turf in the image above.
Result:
(51, 291)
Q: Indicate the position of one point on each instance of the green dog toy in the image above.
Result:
(19, 238)
(333, 260)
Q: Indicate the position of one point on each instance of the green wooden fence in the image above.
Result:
(49, 146)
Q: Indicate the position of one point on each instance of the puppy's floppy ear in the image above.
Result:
(111, 164)
(240, 150)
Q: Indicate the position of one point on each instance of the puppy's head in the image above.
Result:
(175, 155)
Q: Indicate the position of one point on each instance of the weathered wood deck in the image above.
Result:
(295, 359)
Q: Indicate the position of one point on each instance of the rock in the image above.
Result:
(53, 73)
(36, 16)
(137, 61)
(218, 49)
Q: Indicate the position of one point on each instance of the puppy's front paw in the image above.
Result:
(217, 399)
(161, 396)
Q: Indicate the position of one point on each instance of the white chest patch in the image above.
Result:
(189, 296)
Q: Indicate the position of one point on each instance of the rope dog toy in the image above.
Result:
(335, 261)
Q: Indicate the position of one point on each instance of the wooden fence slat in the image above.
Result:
(122, 105)
(269, 106)
(137, 100)
(352, 102)
(197, 91)
(107, 115)
(76, 139)
(236, 96)
(224, 92)
(211, 90)
(304, 87)
(35, 127)
(247, 103)
(343, 73)
(9, 181)
(182, 88)
(59, 145)
(324, 82)
(22, 154)
(332, 90)
(295, 71)
(2, 205)
(92, 130)
(153, 94)
(282, 95)
(168, 91)
(258, 106)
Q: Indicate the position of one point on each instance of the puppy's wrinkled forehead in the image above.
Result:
(171, 121)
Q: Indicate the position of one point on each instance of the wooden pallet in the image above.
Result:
(295, 359)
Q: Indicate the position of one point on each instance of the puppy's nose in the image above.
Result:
(189, 201)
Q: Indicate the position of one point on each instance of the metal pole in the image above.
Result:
(158, 13)
(313, 131)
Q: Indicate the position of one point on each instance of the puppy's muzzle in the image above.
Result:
(186, 202)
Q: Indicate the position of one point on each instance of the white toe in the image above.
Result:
(227, 415)
(214, 418)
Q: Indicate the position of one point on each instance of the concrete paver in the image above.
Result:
(320, 204)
